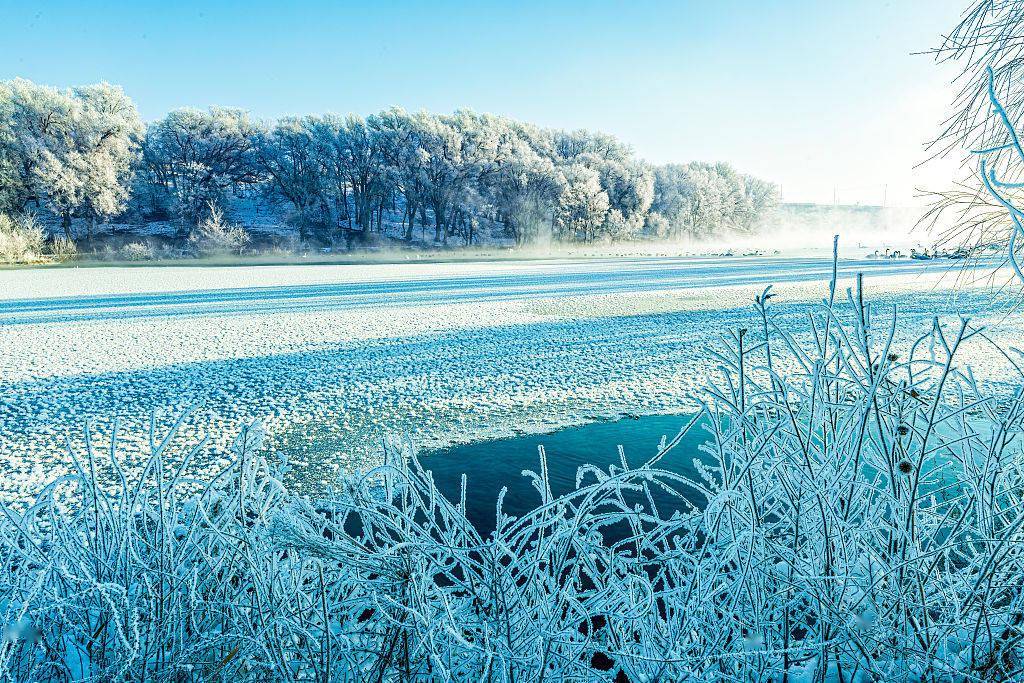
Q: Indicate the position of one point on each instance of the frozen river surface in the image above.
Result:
(443, 353)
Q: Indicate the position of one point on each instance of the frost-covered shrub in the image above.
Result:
(63, 248)
(215, 236)
(21, 239)
(857, 516)
(136, 251)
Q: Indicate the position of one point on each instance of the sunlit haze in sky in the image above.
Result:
(826, 98)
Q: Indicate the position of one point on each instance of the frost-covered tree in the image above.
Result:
(527, 184)
(699, 199)
(582, 206)
(630, 188)
(690, 198)
(445, 170)
(31, 117)
(326, 132)
(401, 148)
(88, 172)
(354, 165)
(360, 150)
(627, 182)
(482, 138)
(196, 157)
(287, 156)
(72, 152)
(757, 198)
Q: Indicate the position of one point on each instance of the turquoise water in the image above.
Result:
(491, 465)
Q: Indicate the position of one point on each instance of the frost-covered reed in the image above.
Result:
(22, 240)
(857, 516)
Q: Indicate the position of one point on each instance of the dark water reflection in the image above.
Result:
(490, 465)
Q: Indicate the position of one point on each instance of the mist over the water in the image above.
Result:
(788, 230)
(803, 228)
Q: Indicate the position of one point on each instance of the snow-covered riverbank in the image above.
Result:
(445, 353)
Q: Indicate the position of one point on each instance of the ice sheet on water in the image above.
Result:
(446, 353)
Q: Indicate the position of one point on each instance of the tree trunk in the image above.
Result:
(348, 214)
(411, 211)
(437, 224)
(65, 222)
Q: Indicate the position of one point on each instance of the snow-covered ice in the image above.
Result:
(445, 353)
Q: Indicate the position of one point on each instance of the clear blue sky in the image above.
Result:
(813, 94)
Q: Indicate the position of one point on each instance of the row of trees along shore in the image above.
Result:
(84, 156)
